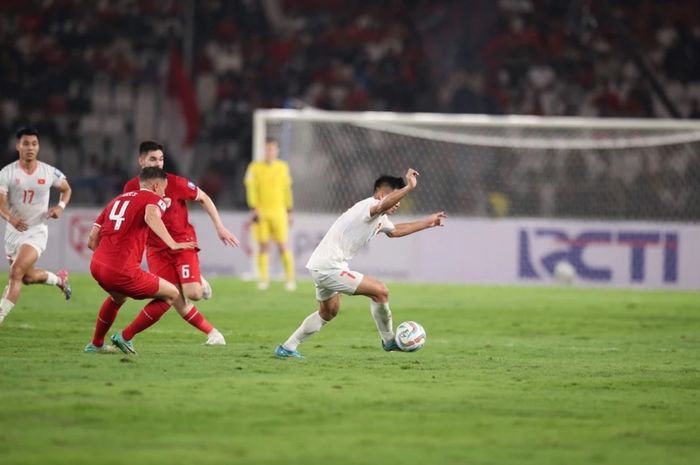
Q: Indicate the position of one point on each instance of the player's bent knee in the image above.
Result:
(32, 277)
(118, 298)
(17, 274)
(167, 299)
(171, 297)
(381, 294)
(329, 310)
(328, 314)
(167, 292)
(193, 293)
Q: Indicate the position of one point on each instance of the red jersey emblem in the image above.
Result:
(42, 181)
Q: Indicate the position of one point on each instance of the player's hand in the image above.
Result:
(227, 237)
(184, 246)
(254, 215)
(412, 178)
(437, 219)
(54, 212)
(18, 223)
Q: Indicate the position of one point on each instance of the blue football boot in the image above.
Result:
(391, 346)
(281, 352)
(125, 346)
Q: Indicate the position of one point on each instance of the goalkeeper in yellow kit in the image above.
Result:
(269, 195)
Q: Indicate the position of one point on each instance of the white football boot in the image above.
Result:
(215, 338)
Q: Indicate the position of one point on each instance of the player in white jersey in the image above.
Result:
(329, 268)
(24, 203)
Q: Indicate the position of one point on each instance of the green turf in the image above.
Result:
(508, 376)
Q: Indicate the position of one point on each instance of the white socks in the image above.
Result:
(5, 308)
(52, 279)
(382, 316)
(313, 324)
(310, 326)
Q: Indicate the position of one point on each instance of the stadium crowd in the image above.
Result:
(91, 76)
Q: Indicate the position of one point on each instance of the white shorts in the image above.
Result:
(36, 236)
(329, 283)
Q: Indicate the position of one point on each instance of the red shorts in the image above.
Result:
(180, 266)
(134, 282)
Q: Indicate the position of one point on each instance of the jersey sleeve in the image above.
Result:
(100, 219)
(369, 203)
(155, 201)
(132, 185)
(158, 202)
(387, 225)
(57, 177)
(184, 188)
(5, 180)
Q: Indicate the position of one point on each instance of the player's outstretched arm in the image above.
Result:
(395, 197)
(153, 220)
(432, 221)
(65, 193)
(16, 222)
(226, 236)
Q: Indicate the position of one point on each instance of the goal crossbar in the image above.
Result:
(406, 124)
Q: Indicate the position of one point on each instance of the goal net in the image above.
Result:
(477, 165)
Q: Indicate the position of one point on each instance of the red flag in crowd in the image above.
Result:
(181, 94)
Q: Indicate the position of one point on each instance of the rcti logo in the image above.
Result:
(572, 247)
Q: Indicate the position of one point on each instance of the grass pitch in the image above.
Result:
(508, 376)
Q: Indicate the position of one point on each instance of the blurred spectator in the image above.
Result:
(212, 182)
(91, 186)
(92, 77)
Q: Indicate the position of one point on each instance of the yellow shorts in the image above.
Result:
(275, 226)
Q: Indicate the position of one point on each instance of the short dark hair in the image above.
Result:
(271, 140)
(149, 146)
(152, 172)
(389, 181)
(27, 131)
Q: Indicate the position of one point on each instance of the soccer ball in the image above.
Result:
(410, 336)
(564, 272)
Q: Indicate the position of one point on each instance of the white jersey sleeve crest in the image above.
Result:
(58, 176)
(387, 225)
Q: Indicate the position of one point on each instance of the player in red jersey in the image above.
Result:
(182, 266)
(118, 240)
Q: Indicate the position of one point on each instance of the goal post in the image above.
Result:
(493, 166)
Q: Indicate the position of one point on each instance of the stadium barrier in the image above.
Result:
(650, 255)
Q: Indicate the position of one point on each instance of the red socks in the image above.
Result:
(197, 320)
(147, 317)
(108, 312)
